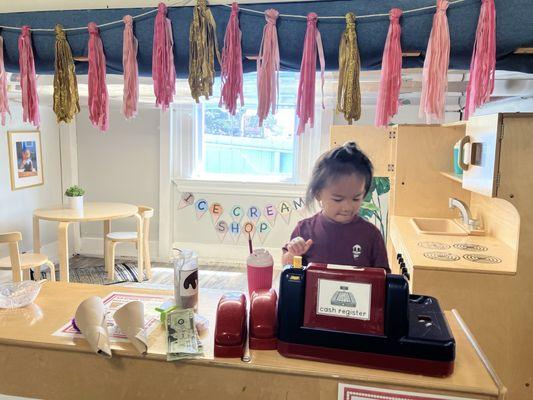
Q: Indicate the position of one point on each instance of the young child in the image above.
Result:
(337, 235)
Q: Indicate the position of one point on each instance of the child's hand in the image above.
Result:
(298, 246)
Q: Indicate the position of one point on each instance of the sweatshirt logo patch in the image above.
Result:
(356, 251)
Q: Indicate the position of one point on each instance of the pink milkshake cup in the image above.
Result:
(260, 265)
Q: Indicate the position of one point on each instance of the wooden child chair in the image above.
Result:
(19, 262)
(113, 238)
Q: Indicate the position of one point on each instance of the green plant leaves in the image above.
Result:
(380, 186)
(74, 191)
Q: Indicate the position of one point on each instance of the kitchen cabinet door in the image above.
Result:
(481, 154)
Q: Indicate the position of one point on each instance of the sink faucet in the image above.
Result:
(465, 212)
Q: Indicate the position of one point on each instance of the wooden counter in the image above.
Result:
(406, 241)
(34, 363)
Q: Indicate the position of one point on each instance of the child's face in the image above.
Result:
(342, 197)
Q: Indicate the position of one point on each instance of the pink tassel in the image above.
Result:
(4, 100)
(231, 68)
(391, 72)
(483, 64)
(98, 97)
(28, 80)
(163, 70)
(305, 106)
(131, 71)
(435, 73)
(268, 68)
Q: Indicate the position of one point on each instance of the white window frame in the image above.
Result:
(309, 146)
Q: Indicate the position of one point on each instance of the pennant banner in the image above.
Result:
(216, 211)
(270, 213)
(235, 231)
(249, 229)
(298, 204)
(237, 213)
(284, 209)
(222, 229)
(263, 229)
(253, 213)
(201, 206)
(187, 199)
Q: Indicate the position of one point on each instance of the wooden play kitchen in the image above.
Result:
(467, 238)
(27, 343)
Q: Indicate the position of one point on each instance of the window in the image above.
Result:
(210, 146)
(236, 148)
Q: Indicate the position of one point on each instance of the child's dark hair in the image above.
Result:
(342, 160)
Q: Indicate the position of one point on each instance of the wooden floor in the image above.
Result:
(223, 277)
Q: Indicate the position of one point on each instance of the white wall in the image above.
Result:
(16, 207)
(200, 234)
(121, 165)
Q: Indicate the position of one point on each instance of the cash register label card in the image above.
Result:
(344, 299)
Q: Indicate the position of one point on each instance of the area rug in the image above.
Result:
(124, 272)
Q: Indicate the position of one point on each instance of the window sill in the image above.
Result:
(260, 189)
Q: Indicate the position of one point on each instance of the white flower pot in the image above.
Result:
(76, 203)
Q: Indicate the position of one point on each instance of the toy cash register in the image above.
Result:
(361, 316)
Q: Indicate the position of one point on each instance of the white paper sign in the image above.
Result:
(344, 299)
(355, 392)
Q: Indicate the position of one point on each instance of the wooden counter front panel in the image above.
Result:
(52, 375)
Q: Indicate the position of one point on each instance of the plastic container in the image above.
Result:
(185, 262)
(18, 294)
(456, 154)
(260, 265)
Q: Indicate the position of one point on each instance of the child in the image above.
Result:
(26, 165)
(337, 235)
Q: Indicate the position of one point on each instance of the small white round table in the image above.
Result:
(91, 212)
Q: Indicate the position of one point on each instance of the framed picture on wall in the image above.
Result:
(25, 159)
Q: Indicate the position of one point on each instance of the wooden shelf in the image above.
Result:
(453, 176)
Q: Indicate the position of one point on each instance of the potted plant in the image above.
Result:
(75, 197)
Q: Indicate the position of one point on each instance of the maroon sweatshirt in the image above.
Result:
(358, 243)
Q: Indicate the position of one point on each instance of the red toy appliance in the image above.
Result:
(263, 320)
(230, 329)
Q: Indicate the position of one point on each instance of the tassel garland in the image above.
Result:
(98, 97)
(4, 100)
(231, 68)
(305, 106)
(268, 68)
(349, 92)
(202, 49)
(131, 70)
(483, 64)
(28, 80)
(163, 69)
(435, 72)
(66, 98)
(391, 72)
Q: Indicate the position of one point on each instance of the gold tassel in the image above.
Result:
(202, 49)
(66, 99)
(349, 91)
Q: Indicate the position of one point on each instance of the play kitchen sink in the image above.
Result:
(438, 226)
